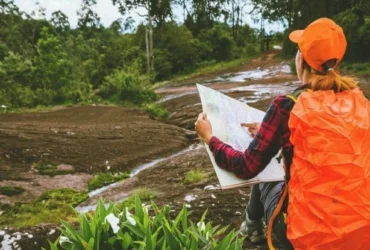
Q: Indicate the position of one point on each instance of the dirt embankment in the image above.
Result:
(88, 138)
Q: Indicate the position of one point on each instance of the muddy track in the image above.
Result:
(86, 137)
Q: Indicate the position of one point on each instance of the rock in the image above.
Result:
(65, 167)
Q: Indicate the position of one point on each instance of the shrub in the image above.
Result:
(126, 85)
(110, 228)
(157, 111)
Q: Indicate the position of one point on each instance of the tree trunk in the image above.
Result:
(151, 43)
(147, 51)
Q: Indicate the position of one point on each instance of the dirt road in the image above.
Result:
(95, 138)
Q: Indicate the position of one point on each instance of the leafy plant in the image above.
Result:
(103, 179)
(110, 228)
(157, 111)
(10, 191)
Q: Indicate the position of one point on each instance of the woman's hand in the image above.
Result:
(253, 127)
(203, 128)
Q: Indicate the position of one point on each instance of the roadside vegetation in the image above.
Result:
(104, 179)
(140, 226)
(56, 64)
(157, 111)
(51, 207)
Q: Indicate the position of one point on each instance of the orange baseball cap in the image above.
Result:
(322, 40)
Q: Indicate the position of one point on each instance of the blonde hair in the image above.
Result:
(331, 80)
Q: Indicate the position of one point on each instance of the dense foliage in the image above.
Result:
(116, 228)
(46, 62)
(352, 15)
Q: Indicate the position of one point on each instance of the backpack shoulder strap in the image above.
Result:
(294, 96)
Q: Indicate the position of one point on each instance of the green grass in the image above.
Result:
(210, 67)
(45, 168)
(143, 193)
(51, 207)
(104, 179)
(356, 69)
(157, 111)
(11, 191)
(195, 176)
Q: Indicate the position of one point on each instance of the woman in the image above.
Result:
(312, 223)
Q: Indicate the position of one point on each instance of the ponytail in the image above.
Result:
(332, 80)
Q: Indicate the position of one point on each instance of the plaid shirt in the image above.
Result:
(273, 135)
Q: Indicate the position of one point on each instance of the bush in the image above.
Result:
(126, 85)
(157, 111)
(110, 228)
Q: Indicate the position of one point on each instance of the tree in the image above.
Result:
(87, 17)
(156, 10)
(60, 21)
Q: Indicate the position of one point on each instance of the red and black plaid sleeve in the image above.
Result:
(266, 144)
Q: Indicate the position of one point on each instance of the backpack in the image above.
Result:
(329, 186)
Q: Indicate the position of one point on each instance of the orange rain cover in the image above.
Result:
(329, 189)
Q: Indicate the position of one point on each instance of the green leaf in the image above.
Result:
(135, 230)
(139, 209)
(148, 239)
(85, 226)
(91, 243)
(126, 241)
(53, 246)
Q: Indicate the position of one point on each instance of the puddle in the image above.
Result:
(255, 74)
(170, 97)
(270, 89)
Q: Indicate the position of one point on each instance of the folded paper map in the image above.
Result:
(226, 114)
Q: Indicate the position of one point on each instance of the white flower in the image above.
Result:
(113, 221)
(108, 167)
(63, 239)
(202, 226)
(129, 217)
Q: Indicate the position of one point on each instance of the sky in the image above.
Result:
(109, 13)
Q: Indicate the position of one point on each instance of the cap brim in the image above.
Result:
(295, 35)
